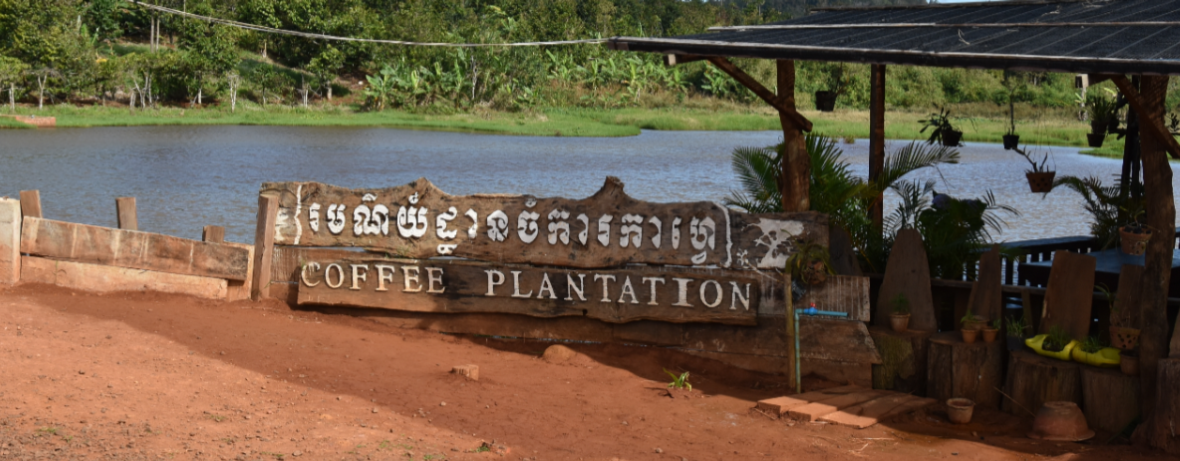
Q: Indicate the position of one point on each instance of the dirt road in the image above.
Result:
(148, 376)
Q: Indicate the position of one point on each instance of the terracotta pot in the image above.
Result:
(989, 335)
(1041, 182)
(969, 335)
(1129, 364)
(1011, 141)
(1062, 422)
(1124, 338)
(951, 138)
(825, 101)
(1095, 139)
(959, 410)
(900, 322)
(1132, 243)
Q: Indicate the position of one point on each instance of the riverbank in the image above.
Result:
(1053, 129)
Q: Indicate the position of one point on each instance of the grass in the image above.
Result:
(1036, 128)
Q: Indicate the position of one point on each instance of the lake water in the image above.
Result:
(185, 178)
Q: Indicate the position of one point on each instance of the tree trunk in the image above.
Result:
(12, 96)
(264, 49)
(329, 91)
(877, 139)
(1161, 218)
(1033, 380)
(41, 92)
(795, 178)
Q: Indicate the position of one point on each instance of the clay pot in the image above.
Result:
(1061, 422)
(1129, 363)
(1011, 141)
(969, 335)
(1040, 182)
(900, 322)
(989, 335)
(825, 101)
(1124, 338)
(951, 138)
(1132, 243)
(959, 410)
(1095, 139)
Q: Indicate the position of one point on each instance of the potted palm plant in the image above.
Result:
(1134, 236)
(900, 320)
(1040, 178)
(991, 330)
(942, 130)
(810, 263)
(972, 324)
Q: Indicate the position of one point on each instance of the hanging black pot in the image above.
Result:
(825, 101)
(1011, 141)
(951, 138)
(1095, 139)
(1099, 126)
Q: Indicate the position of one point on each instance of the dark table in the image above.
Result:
(1110, 263)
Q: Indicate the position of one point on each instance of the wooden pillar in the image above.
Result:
(213, 234)
(10, 227)
(877, 138)
(264, 245)
(125, 207)
(795, 179)
(1161, 218)
(30, 203)
(792, 362)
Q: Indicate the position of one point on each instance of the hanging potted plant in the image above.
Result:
(825, 100)
(810, 263)
(990, 330)
(900, 320)
(942, 130)
(972, 324)
(1133, 237)
(1011, 139)
(1123, 335)
(1101, 111)
(1040, 178)
(1016, 334)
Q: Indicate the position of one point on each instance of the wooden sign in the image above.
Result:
(608, 229)
(644, 293)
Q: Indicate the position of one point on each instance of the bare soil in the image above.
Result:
(148, 376)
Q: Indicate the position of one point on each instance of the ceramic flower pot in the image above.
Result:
(1040, 182)
(1124, 338)
(989, 334)
(959, 410)
(900, 322)
(1062, 422)
(969, 335)
(1133, 243)
(951, 138)
(1095, 139)
(825, 101)
(1011, 141)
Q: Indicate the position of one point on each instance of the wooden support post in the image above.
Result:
(264, 245)
(795, 178)
(1161, 218)
(125, 207)
(877, 138)
(785, 108)
(214, 234)
(1144, 105)
(30, 203)
(792, 361)
(10, 222)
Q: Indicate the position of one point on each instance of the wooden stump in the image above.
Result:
(1110, 399)
(1034, 380)
(958, 369)
(1166, 417)
(903, 360)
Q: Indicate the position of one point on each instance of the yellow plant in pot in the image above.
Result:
(1056, 344)
(1093, 351)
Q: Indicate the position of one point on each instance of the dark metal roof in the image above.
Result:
(1096, 36)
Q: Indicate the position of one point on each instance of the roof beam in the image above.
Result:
(1153, 126)
(747, 81)
(673, 59)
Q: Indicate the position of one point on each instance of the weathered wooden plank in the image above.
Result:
(30, 203)
(106, 279)
(985, 293)
(779, 406)
(622, 295)
(125, 209)
(874, 411)
(840, 293)
(836, 340)
(10, 222)
(213, 234)
(264, 244)
(240, 289)
(907, 273)
(1161, 431)
(814, 411)
(1069, 295)
(132, 249)
(608, 229)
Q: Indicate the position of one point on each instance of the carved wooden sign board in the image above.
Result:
(719, 250)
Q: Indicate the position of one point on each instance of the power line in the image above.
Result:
(271, 30)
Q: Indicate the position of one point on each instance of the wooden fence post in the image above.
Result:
(213, 234)
(10, 221)
(30, 203)
(125, 208)
(264, 245)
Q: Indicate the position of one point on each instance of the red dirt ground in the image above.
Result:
(149, 376)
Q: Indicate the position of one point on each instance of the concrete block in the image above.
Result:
(10, 225)
(105, 279)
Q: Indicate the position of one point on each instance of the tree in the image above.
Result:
(210, 51)
(102, 17)
(233, 81)
(325, 66)
(11, 72)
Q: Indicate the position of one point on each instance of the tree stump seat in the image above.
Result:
(1033, 380)
(957, 369)
(903, 360)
